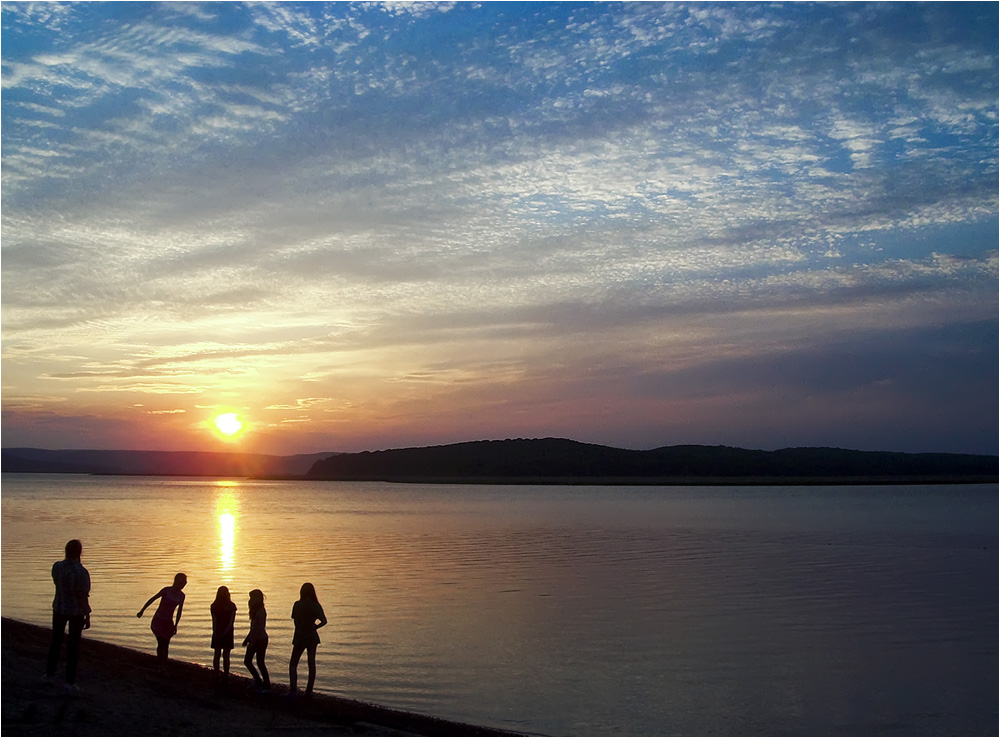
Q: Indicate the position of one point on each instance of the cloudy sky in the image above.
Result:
(371, 225)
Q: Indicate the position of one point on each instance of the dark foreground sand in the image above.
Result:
(122, 694)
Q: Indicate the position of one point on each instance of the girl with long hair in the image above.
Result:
(223, 624)
(256, 642)
(309, 618)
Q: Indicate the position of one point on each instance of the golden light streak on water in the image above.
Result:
(227, 504)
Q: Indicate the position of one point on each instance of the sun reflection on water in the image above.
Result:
(227, 505)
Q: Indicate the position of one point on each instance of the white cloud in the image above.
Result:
(628, 166)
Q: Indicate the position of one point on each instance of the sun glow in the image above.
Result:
(228, 424)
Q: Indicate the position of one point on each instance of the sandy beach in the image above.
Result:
(121, 693)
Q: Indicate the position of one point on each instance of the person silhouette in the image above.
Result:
(71, 606)
(223, 624)
(163, 625)
(309, 618)
(256, 642)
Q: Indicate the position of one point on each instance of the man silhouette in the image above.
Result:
(71, 606)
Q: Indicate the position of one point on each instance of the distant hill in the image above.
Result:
(156, 463)
(547, 460)
(559, 460)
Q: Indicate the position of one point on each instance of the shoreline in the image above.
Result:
(122, 693)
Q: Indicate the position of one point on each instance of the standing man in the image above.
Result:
(71, 606)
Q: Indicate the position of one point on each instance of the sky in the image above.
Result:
(376, 225)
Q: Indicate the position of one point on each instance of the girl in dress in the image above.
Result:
(309, 618)
(256, 642)
(223, 624)
(163, 624)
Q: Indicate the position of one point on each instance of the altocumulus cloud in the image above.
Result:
(635, 224)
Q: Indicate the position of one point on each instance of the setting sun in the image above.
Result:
(228, 424)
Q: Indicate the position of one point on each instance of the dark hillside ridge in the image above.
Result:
(561, 459)
(549, 460)
(155, 463)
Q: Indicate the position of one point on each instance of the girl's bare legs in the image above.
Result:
(263, 679)
(162, 652)
(263, 668)
(293, 669)
(311, 657)
(248, 662)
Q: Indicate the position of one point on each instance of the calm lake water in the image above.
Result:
(561, 610)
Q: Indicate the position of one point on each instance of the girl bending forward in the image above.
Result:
(163, 625)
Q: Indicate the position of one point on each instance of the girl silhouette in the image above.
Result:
(163, 624)
(256, 642)
(223, 624)
(309, 618)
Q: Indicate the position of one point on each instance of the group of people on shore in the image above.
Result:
(71, 607)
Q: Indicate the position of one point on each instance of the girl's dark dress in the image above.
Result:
(222, 625)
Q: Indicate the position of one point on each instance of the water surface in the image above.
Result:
(561, 610)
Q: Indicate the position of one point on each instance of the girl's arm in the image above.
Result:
(83, 592)
(83, 599)
(149, 602)
(180, 607)
(246, 641)
(322, 619)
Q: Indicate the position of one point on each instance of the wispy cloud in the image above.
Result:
(254, 199)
